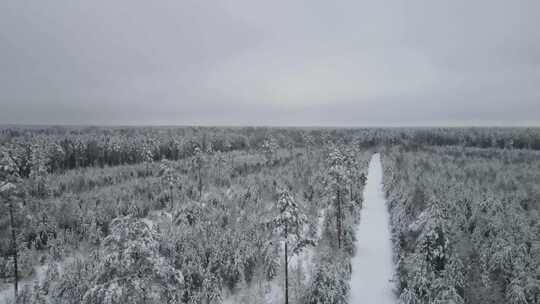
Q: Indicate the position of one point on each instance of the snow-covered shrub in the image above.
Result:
(131, 267)
(330, 284)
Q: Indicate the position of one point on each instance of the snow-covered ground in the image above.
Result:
(7, 294)
(272, 292)
(40, 271)
(372, 266)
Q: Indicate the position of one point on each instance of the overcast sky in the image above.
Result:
(247, 62)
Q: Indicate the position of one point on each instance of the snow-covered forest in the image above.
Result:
(466, 223)
(264, 215)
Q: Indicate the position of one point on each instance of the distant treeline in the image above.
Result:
(61, 148)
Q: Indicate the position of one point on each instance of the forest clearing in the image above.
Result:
(372, 266)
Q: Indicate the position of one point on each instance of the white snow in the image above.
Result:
(7, 294)
(40, 271)
(372, 266)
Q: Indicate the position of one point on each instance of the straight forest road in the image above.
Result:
(372, 266)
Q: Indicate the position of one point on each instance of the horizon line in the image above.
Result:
(322, 126)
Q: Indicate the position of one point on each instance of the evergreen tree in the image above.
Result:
(198, 163)
(290, 224)
(9, 192)
(269, 148)
(169, 177)
(336, 187)
(132, 269)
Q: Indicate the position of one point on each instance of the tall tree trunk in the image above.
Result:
(14, 248)
(219, 172)
(172, 200)
(200, 183)
(286, 271)
(338, 219)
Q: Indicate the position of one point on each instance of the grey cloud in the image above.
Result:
(270, 62)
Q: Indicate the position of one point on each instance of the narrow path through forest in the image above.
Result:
(372, 266)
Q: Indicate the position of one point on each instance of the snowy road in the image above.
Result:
(372, 267)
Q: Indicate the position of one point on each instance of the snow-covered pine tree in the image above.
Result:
(147, 155)
(169, 177)
(269, 148)
(289, 224)
(39, 167)
(221, 162)
(198, 163)
(336, 187)
(132, 269)
(309, 142)
(9, 191)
